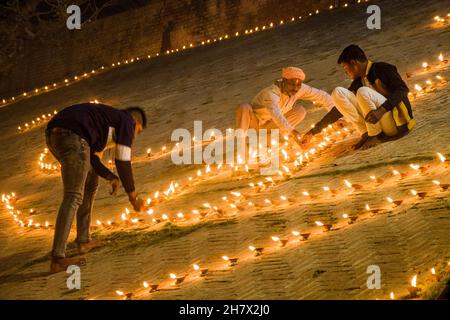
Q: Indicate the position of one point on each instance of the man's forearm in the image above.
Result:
(331, 117)
(126, 175)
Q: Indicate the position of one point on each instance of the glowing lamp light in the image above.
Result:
(232, 261)
(441, 157)
(391, 296)
(413, 290)
(396, 203)
(414, 281)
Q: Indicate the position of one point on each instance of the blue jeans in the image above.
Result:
(80, 184)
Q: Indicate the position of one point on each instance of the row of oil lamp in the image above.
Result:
(208, 208)
(36, 122)
(44, 118)
(88, 74)
(46, 166)
(414, 290)
(236, 203)
(298, 236)
(161, 196)
(429, 84)
(441, 20)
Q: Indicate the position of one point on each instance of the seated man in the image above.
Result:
(75, 136)
(376, 103)
(274, 107)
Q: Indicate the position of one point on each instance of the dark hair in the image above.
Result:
(140, 113)
(352, 52)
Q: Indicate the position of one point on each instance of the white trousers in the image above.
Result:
(355, 108)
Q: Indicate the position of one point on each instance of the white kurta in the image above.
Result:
(271, 104)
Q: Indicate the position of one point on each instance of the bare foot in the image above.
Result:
(370, 143)
(360, 143)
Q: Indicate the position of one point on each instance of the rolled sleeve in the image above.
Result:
(319, 97)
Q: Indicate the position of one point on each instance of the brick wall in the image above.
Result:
(139, 32)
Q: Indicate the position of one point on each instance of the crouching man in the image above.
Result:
(376, 103)
(76, 136)
(275, 106)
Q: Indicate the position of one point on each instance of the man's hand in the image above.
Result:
(375, 115)
(305, 141)
(114, 186)
(137, 203)
(296, 136)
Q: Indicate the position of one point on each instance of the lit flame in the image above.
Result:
(389, 199)
(274, 238)
(120, 293)
(347, 183)
(441, 57)
(145, 284)
(173, 276)
(345, 216)
(320, 224)
(433, 271)
(367, 207)
(225, 258)
(196, 267)
(391, 296)
(414, 281)
(413, 192)
(441, 157)
(418, 87)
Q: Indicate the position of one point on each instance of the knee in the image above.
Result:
(363, 92)
(243, 107)
(338, 93)
(92, 186)
(300, 110)
(73, 198)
